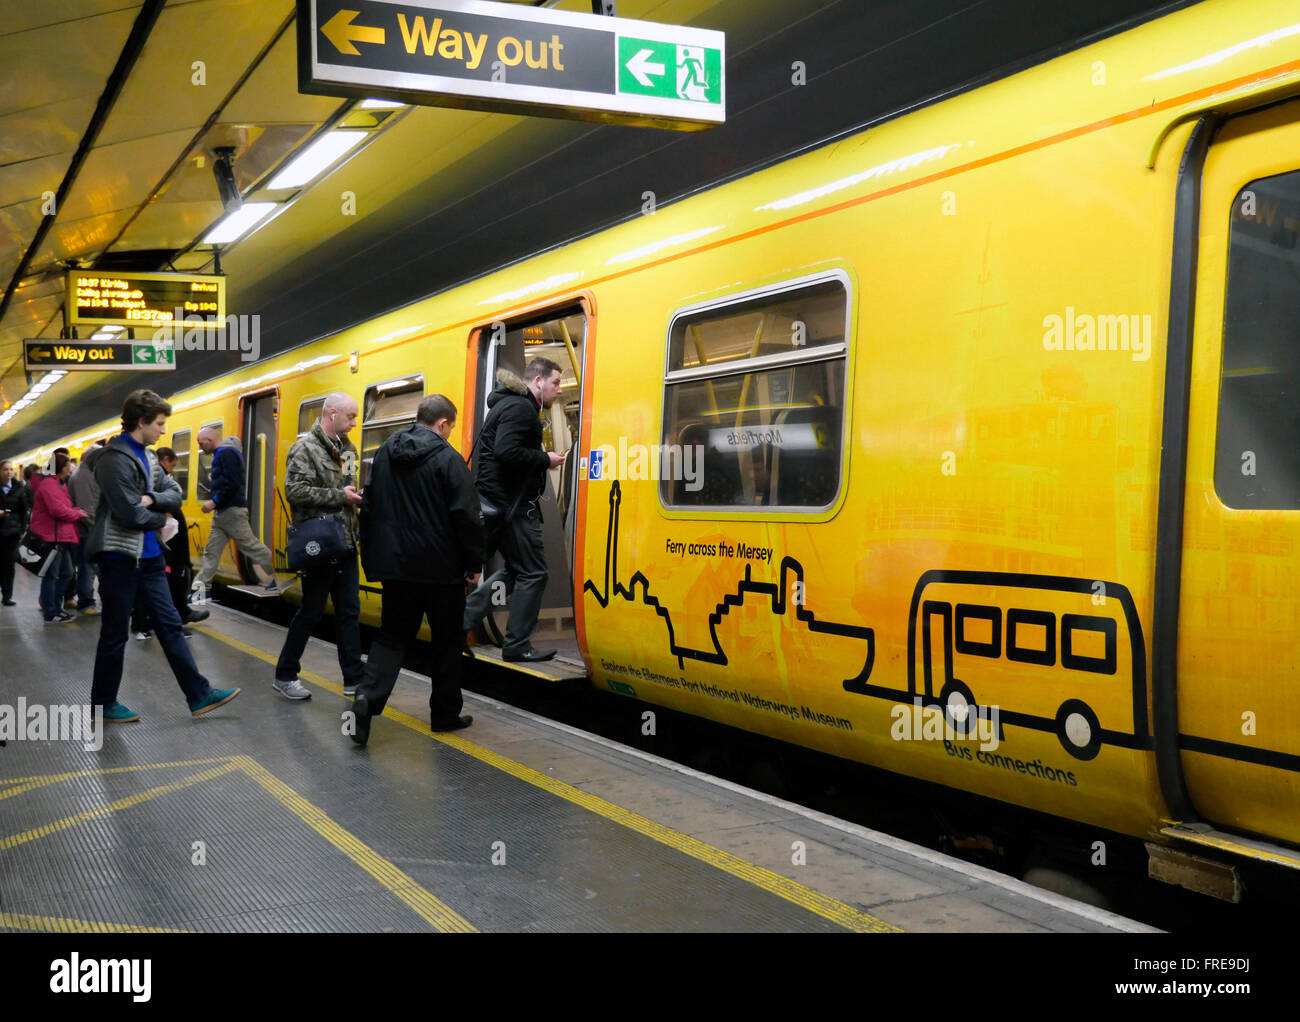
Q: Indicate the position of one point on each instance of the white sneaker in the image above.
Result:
(292, 689)
(142, 636)
(349, 690)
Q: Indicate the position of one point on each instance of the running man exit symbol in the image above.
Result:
(653, 67)
(692, 80)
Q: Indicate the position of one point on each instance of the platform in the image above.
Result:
(263, 816)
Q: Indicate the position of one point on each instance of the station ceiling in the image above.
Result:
(113, 109)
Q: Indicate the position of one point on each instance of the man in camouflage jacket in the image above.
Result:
(320, 479)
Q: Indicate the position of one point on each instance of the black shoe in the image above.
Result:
(453, 725)
(528, 656)
(196, 615)
(362, 710)
(8, 603)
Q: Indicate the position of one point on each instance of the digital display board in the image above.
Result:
(143, 299)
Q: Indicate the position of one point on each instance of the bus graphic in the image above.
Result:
(1063, 655)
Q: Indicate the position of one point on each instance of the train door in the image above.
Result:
(259, 439)
(1238, 654)
(558, 334)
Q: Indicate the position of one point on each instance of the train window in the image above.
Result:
(1031, 636)
(1257, 459)
(180, 445)
(203, 488)
(387, 408)
(979, 630)
(1077, 629)
(308, 413)
(754, 399)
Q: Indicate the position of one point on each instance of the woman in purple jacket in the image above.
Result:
(54, 519)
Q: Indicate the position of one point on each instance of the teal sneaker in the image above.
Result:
(216, 697)
(116, 713)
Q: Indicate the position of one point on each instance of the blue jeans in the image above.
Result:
(55, 580)
(121, 584)
(83, 587)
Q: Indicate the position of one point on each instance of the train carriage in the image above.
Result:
(1042, 330)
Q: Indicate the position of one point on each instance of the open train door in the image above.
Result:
(558, 333)
(1237, 601)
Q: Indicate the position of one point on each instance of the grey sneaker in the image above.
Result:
(349, 690)
(291, 689)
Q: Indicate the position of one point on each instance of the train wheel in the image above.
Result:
(959, 706)
(1078, 729)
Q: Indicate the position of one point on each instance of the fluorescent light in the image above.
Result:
(40, 388)
(330, 147)
(21, 404)
(240, 222)
(53, 376)
(394, 384)
(380, 104)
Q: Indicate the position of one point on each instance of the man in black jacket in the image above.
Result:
(512, 471)
(421, 536)
(13, 523)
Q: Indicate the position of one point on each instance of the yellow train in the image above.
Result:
(990, 407)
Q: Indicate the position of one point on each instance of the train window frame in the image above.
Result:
(387, 420)
(188, 433)
(1267, 491)
(1045, 619)
(977, 612)
(842, 352)
(317, 399)
(1109, 628)
(199, 487)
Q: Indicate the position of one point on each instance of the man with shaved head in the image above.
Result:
(320, 479)
(229, 508)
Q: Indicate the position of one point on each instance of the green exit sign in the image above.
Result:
(650, 67)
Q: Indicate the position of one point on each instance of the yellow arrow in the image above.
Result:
(341, 32)
(39, 354)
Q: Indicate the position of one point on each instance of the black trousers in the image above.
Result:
(8, 551)
(338, 582)
(523, 579)
(406, 604)
(178, 584)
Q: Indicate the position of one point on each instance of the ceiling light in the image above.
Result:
(40, 388)
(330, 147)
(380, 104)
(394, 384)
(21, 404)
(235, 225)
(53, 375)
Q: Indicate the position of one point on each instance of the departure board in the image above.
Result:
(144, 299)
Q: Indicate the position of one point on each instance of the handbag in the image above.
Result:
(315, 542)
(34, 553)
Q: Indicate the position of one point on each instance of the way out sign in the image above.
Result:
(513, 58)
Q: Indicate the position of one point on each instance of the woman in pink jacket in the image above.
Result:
(54, 519)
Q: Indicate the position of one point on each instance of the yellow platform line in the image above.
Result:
(394, 880)
(814, 901)
(51, 924)
(52, 778)
(398, 883)
(112, 807)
